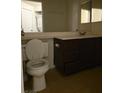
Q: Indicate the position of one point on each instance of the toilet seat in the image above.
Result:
(37, 64)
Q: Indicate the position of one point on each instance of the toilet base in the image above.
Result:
(39, 83)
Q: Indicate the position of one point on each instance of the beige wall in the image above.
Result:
(73, 14)
(92, 28)
(97, 28)
(54, 15)
(60, 15)
(87, 27)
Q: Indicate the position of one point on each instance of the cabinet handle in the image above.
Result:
(57, 45)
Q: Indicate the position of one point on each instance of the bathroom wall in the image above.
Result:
(54, 15)
(86, 27)
(92, 28)
(73, 14)
(97, 28)
(60, 15)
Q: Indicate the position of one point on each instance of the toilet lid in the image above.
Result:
(34, 49)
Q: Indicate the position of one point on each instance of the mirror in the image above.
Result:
(31, 16)
(59, 15)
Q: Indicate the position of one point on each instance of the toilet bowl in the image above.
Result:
(37, 66)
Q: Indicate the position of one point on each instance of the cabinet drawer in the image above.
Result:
(70, 45)
(72, 67)
(70, 55)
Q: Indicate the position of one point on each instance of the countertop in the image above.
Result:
(77, 37)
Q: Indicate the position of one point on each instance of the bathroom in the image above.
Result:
(65, 20)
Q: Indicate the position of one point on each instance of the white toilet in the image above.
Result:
(37, 66)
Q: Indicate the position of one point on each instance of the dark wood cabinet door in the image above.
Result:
(91, 51)
(73, 55)
(86, 51)
(98, 51)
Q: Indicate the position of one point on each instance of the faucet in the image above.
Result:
(81, 32)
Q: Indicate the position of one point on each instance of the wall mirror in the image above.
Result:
(31, 16)
(50, 15)
(58, 15)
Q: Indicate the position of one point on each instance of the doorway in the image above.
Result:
(31, 16)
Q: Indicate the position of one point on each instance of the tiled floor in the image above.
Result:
(86, 81)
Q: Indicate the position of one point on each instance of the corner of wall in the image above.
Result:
(97, 28)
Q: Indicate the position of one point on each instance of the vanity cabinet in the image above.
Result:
(90, 51)
(73, 55)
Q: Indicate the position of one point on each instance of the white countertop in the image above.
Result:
(59, 35)
(77, 37)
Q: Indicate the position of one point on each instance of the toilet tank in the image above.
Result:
(45, 44)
